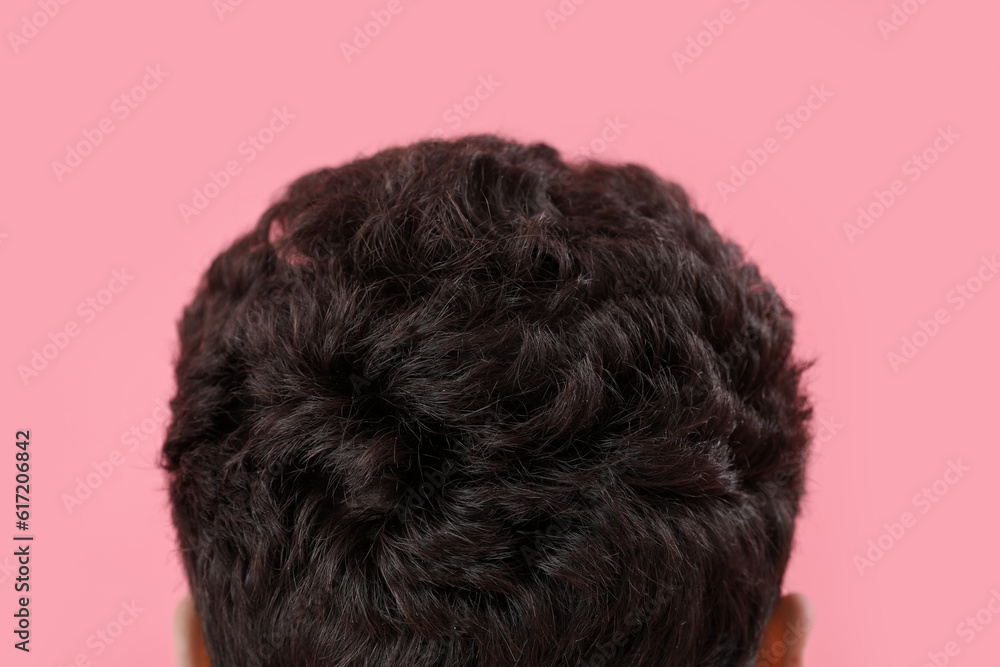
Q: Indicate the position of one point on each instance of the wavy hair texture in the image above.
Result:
(462, 403)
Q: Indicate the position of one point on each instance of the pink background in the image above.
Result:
(893, 431)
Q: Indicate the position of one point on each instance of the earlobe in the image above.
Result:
(189, 644)
(786, 633)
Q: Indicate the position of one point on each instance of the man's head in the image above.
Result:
(462, 403)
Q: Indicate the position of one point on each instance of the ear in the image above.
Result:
(786, 632)
(189, 644)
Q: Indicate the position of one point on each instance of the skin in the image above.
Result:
(189, 644)
(792, 619)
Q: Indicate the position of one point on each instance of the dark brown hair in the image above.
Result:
(461, 403)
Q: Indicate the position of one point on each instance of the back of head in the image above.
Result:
(462, 403)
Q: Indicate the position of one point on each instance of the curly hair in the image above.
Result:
(462, 403)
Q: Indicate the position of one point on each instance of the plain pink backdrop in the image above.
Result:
(888, 92)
